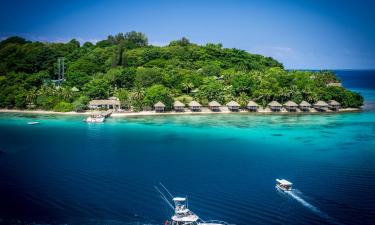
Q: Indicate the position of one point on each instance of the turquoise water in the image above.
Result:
(64, 171)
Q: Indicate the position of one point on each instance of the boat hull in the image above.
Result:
(95, 120)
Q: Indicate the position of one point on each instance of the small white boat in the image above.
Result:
(32, 123)
(284, 185)
(95, 119)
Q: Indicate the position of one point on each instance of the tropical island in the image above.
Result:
(135, 76)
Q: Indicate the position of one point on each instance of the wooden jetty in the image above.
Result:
(107, 113)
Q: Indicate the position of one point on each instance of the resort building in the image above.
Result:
(275, 106)
(252, 106)
(321, 106)
(334, 105)
(179, 106)
(214, 106)
(305, 106)
(195, 106)
(233, 106)
(159, 107)
(291, 106)
(111, 103)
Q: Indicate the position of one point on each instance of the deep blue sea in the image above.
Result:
(64, 171)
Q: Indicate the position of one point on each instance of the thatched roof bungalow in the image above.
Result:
(305, 106)
(334, 105)
(214, 106)
(178, 106)
(159, 107)
(252, 106)
(275, 106)
(233, 106)
(321, 106)
(291, 106)
(112, 103)
(195, 106)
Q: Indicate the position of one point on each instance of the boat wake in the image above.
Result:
(295, 194)
(298, 196)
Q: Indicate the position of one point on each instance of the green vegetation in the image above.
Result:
(139, 74)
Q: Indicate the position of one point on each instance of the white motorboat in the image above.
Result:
(182, 214)
(284, 184)
(32, 123)
(95, 119)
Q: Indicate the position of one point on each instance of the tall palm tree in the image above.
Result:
(187, 86)
(31, 96)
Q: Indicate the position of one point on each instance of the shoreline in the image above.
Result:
(204, 111)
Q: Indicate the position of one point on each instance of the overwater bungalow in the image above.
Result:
(233, 106)
(291, 106)
(195, 106)
(252, 106)
(159, 107)
(334, 105)
(111, 103)
(275, 106)
(179, 106)
(214, 106)
(321, 106)
(305, 106)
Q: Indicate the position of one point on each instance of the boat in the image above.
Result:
(284, 184)
(32, 123)
(95, 119)
(182, 214)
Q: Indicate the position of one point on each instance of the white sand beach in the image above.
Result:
(204, 110)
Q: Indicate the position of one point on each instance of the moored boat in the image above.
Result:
(32, 123)
(95, 119)
(284, 184)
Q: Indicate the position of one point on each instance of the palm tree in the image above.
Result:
(243, 99)
(31, 96)
(187, 86)
(137, 97)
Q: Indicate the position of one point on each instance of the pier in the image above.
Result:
(107, 113)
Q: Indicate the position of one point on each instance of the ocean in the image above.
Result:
(64, 171)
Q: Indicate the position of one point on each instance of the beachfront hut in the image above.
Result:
(233, 106)
(178, 106)
(275, 106)
(214, 106)
(195, 106)
(304, 106)
(159, 107)
(111, 103)
(321, 106)
(252, 106)
(291, 106)
(334, 105)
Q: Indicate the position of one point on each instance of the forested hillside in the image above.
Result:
(126, 66)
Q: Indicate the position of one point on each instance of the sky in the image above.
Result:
(302, 34)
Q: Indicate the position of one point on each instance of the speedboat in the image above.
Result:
(284, 185)
(32, 123)
(95, 119)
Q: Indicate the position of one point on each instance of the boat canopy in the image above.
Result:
(179, 199)
(284, 182)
